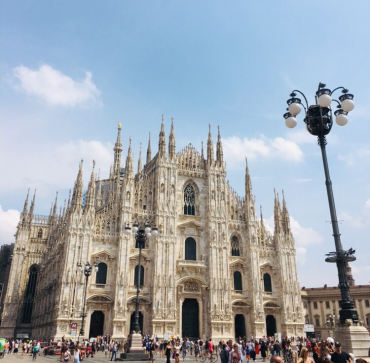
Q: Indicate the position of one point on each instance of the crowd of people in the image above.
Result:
(293, 350)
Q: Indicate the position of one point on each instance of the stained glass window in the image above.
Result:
(189, 200)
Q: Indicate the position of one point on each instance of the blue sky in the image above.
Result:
(71, 70)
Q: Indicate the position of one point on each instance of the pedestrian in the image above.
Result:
(339, 356)
(183, 350)
(76, 357)
(35, 350)
(152, 347)
(289, 353)
(304, 358)
(263, 350)
(235, 356)
(196, 350)
(66, 356)
(114, 351)
(167, 352)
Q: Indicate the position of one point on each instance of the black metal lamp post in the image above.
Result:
(87, 269)
(141, 233)
(319, 121)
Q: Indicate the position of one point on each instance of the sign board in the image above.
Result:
(165, 336)
(73, 333)
(73, 326)
(22, 336)
(309, 328)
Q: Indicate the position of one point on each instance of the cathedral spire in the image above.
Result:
(209, 146)
(172, 141)
(285, 215)
(248, 183)
(129, 162)
(117, 151)
(162, 140)
(78, 190)
(32, 208)
(139, 163)
(90, 195)
(219, 149)
(149, 152)
(25, 207)
(202, 152)
(277, 212)
(55, 205)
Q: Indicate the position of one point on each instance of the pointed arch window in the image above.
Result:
(101, 275)
(267, 282)
(39, 233)
(29, 296)
(235, 248)
(189, 200)
(190, 249)
(136, 278)
(238, 281)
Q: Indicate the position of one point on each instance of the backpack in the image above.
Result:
(224, 356)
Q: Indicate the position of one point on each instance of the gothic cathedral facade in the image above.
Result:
(213, 270)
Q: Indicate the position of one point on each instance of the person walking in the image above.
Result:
(114, 350)
(168, 350)
(183, 350)
(76, 357)
(235, 356)
(263, 350)
(339, 356)
(304, 358)
(35, 350)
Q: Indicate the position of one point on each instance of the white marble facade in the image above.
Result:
(229, 240)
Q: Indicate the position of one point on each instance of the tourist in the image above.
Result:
(66, 355)
(167, 351)
(177, 352)
(339, 356)
(196, 350)
(303, 356)
(183, 350)
(152, 347)
(263, 350)
(35, 350)
(276, 359)
(234, 356)
(277, 348)
(289, 354)
(114, 350)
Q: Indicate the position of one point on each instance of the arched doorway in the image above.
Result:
(190, 319)
(141, 319)
(96, 324)
(270, 325)
(240, 326)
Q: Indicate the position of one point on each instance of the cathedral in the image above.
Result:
(213, 270)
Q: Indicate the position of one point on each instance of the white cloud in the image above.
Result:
(360, 221)
(55, 169)
(54, 87)
(301, 136)
(236, 149)
(356, 157)
(304, 236)
(8, 223)
(288, 150)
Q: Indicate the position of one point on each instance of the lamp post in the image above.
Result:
(87, 269)
(319, 121)
(141, 233)
(330, 323)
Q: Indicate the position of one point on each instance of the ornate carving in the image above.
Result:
(191, 286)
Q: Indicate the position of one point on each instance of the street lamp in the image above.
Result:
(330, 323)
(141, 233)
(319, 121)
(87, 269)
